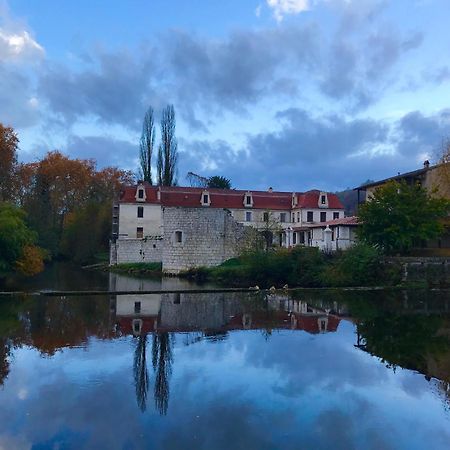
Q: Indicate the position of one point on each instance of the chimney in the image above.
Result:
(426, 164)
(270, 189)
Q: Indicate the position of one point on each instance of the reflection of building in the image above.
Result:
(217, 313)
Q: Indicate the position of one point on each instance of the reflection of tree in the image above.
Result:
(4, 363)
(141, 372)
(162, 365)
(407, 341)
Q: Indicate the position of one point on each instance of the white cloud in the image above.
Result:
(285, 7)
(19, 46)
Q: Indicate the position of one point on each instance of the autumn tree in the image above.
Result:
(146, 145)
(8, 162)
(167, 151)
(399, 216)
(17, 249)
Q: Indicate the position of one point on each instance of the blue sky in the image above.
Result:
(294, 94)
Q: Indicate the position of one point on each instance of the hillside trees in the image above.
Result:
(399, 216)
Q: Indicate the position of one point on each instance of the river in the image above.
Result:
(312, 369)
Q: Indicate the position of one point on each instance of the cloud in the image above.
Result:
(325, 151)
(282, 8)
(114, 88)
(19, 46)
(108, 150)
(207, 78)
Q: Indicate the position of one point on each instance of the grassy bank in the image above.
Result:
(147, 269)
(304, 267)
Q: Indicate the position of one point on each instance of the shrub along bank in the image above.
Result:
(361, 265)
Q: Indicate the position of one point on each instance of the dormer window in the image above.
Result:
(323, 200)
(205, 199)
(248, 200)
(140, 194)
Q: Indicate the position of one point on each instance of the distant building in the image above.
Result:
(435, 179)
(185, 227)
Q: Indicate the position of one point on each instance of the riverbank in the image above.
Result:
(310, 268)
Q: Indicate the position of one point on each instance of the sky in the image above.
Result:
(289, 94)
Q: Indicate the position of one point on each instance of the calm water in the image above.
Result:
(227, 371)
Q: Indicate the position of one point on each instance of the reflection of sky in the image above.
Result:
(291, 390)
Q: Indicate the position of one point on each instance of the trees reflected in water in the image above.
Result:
(141, 378)
(162, 359)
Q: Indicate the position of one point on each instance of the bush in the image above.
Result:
(361, 265)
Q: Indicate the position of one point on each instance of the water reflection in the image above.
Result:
(241, 357)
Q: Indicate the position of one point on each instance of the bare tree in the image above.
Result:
(167, 152)
(146, 145)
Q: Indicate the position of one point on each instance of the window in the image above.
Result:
(248, 216)
(309, 216)
(294, 238)
(298, 216)
(139, 232)
(282, 217)
(205, 199)
(248, 200)
(137, 326)
(335, 215)
(323, 199)
(140, 211)
(323, 216)
(178, 237)
(266, 217)
(176, 298)
(141, 193)
(137, 307)
(302, 237)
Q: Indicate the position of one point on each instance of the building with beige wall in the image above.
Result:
(140, 222)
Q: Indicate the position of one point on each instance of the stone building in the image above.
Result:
(188, 227)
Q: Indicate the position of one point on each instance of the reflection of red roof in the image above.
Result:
(227, 198)
(253, 321)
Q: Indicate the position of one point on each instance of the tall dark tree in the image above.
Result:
(146, 145)
(8, 162)
(167, 151)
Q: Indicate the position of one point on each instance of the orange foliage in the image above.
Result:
(32, 260)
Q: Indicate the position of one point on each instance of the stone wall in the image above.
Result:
(195, 237)
(136, 250)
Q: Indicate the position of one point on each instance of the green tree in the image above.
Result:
(17, 242)
(219, 182)
(146, 145)
(400, 216)
(167, 151)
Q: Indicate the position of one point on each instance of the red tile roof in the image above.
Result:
(348, 221)
(227, 198)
